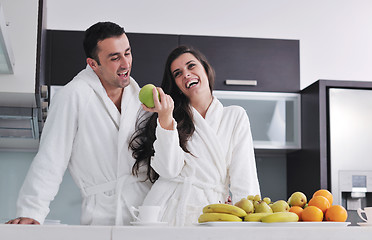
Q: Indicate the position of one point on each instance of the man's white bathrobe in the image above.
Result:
(222, 159)
(85, 132)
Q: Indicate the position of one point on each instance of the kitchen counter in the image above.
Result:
(59, 232)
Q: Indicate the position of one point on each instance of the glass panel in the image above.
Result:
(274, 117)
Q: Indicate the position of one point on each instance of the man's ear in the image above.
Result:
(92, 63)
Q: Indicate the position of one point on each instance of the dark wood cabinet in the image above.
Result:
(150, 51)
(65, 56)
(273, 63)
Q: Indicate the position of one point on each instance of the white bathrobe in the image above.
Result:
(85, 132)
(222, 159)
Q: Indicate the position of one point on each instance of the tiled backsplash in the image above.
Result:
(13, 169)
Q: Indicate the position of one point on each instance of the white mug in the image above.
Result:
(147, 214)
(368, 212)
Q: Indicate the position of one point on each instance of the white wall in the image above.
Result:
(335, 35)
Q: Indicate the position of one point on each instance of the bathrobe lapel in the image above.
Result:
(207, 130)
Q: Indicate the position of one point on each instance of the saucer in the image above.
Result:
(364, 224)
(149, 223)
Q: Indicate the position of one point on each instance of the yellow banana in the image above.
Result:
(218, 217)
(280, 217)
(224, 208)
(255, 217)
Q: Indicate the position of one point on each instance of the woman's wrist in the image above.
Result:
(166, 122)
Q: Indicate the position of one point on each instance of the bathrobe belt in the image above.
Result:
(118, 186)
(188, 182)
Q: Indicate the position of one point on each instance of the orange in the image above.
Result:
(298, 210)
(336, 213)
(312, 214)
(325, 193)
(320, 202)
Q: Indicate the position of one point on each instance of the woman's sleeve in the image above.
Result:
(168, 159)
(242, 169)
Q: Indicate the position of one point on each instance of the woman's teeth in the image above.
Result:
(189, 84)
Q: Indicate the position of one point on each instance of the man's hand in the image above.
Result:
(228, 201)
(23, 220)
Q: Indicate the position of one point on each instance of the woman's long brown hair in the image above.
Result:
(142, 140)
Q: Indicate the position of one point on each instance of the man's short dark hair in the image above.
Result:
(98, 32)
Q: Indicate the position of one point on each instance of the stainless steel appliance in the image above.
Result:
(350, 121)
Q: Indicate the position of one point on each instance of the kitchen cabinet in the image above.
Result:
(150, 51)
(23, 92)
(65, 56)
(308, 169)
(273, 63)
(274, 117)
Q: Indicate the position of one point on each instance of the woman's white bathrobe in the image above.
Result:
(222, 159)
(85, 132)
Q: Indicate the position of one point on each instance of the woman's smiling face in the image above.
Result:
(189, 75)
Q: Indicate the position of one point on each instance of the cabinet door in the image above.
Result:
(273, 63)
(150, 51)
(65, 56)
(274, 117)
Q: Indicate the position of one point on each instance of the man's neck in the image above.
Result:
(115, 96)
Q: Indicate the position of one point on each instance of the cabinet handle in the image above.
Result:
(241, 82)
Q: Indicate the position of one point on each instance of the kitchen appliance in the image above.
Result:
(355, 189)
(350, 126)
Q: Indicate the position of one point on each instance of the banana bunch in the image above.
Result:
(272, 217)
(221, 212)
(280, 217)
(255, 217)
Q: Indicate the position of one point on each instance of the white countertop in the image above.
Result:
(59, 232)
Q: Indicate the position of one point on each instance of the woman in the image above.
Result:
(197, 149)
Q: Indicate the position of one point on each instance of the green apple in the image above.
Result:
(145, 95)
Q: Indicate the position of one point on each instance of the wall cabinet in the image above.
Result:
(65, 56)
(273, 63)
(150, 51)
(274, 117)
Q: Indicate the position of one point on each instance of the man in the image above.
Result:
(90, 122)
